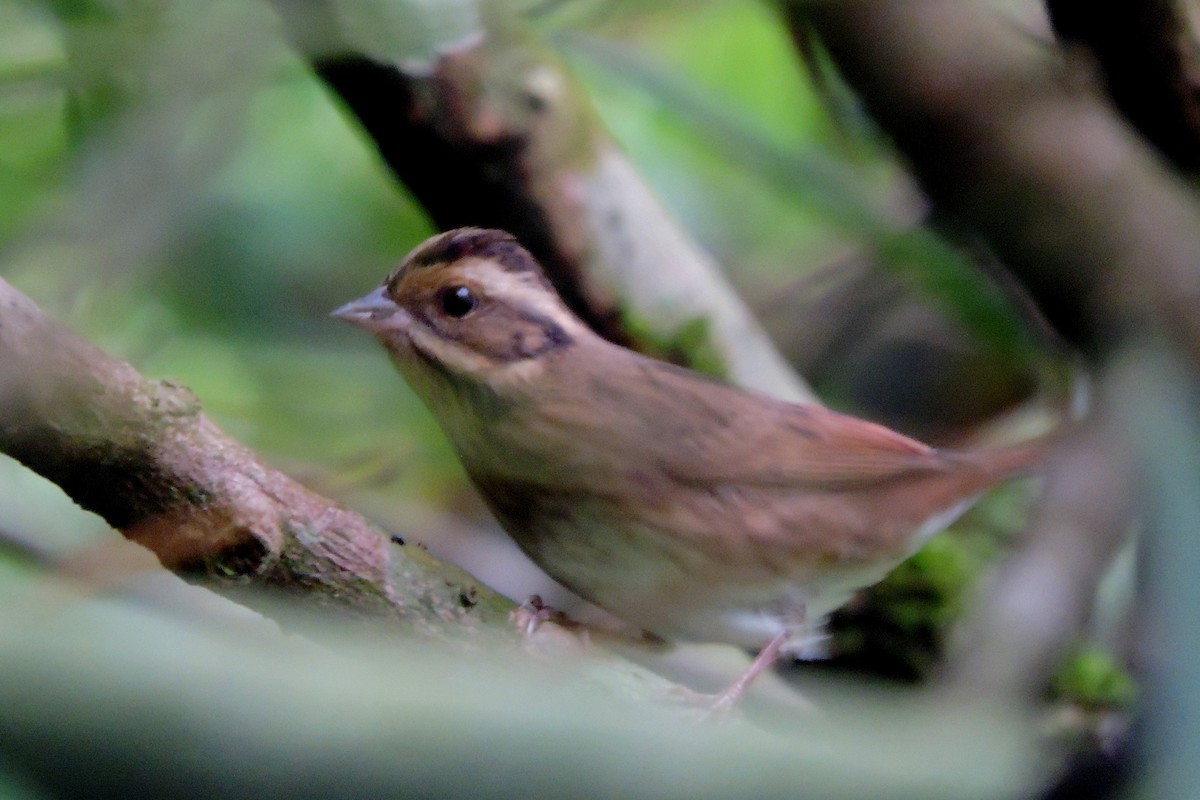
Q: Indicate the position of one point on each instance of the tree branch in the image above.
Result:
(143, 456)
(1042, 596)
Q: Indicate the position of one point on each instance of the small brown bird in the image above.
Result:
(692, 509)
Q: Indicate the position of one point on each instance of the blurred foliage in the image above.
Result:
(1092, 679)
(899, 628)
(32, 124)
(1160, 394)
(164, 690)
(757, 123)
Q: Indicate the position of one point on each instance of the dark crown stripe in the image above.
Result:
(456, 244)
(497, 245)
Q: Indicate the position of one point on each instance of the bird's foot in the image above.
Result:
(532, 615)
(711, 707)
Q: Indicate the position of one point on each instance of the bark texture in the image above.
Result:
(143, 456)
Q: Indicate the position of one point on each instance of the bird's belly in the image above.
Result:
(681, 594)
(698, 589)
(753, 614)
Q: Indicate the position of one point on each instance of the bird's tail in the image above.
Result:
(1039, 431)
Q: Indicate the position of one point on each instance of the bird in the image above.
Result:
(689, 508)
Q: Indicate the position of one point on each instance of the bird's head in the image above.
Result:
(466, 310)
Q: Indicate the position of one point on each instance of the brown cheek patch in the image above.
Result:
(509, 333)
(501, 331)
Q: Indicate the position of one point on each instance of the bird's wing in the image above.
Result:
(810, 446)
(723, 435)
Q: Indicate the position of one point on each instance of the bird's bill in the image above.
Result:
(375, 311)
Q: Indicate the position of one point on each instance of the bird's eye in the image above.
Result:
(457, 301)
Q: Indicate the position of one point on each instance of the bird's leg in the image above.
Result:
(728, 699)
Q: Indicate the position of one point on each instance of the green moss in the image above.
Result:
(1093, 679)
(898, 627)
(688, 345)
